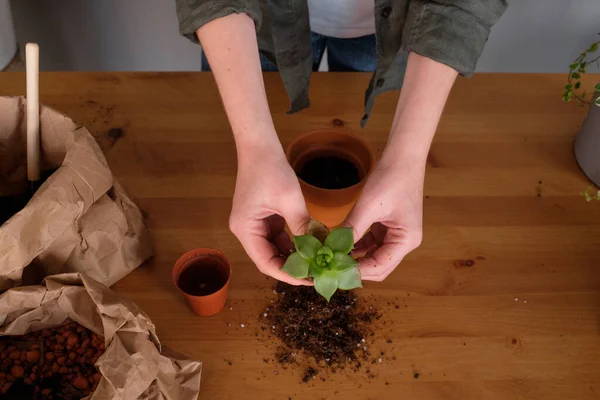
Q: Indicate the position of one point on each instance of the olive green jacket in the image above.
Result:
(453, 32)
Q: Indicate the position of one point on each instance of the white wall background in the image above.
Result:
(100, 35)
(533, 35)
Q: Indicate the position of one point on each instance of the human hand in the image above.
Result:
(391, 204)
(267, 196)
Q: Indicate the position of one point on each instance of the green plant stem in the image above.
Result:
(576, 69)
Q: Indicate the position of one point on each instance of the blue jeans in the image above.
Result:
(355, 54)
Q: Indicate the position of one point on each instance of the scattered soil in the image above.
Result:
(309, 374)
(329, 173)
(330, 335)
(204, 278)
(284, 356)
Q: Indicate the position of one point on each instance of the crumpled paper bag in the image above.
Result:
(132, 366)
(80, 219)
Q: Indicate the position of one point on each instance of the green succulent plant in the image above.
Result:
(326, 262)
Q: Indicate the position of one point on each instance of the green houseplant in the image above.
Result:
(587, 140)
(324, 257)
(576, 70)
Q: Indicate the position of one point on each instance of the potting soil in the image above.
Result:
(329, 173)
(332, 335)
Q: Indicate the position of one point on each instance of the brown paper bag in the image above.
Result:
(80, 219)
(132, 366)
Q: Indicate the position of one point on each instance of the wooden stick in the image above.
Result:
(32, 57)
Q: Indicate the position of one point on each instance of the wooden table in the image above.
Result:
(520, 320)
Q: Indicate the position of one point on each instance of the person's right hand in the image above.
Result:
(267, 196)
(267, 192)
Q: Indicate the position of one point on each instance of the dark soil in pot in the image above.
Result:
(329, 172)
(203, 279)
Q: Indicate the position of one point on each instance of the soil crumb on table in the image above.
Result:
(325, 336)
(310, 373)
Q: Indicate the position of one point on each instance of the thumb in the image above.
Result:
(360, 219)
(296, 216)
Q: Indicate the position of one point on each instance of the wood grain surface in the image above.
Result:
(501, 301)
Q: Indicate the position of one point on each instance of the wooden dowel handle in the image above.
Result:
(32, 60)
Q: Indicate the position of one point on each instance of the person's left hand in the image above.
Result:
(391, 204)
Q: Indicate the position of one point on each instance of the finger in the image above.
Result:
(364, 245)
(296, 215)
(361, 218)
(276, 233)
(275, 224)
(265, 255)
(383, 261)
(379, 232)
(284, 244)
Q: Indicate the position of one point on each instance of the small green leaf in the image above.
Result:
(574, 65)
(568, 86)
(593, 47)
(315, 270)
(597, 101)
(349, 279)
(575, 75)
(577, 85)
(296, 266)
(324, 256)
(597, 87)
(340, 240)
(342, 262)
(307, 246)
(326, 284)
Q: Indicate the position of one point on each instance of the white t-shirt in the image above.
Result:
(342, 18)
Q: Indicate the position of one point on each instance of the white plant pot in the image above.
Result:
(587, 144)
(8, 43)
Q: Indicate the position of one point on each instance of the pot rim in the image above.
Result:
(361, 141)
(186, 259)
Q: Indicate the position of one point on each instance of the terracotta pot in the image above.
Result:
(331, 206)
(202, 276)
(587, 144)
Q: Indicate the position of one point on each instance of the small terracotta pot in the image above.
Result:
(202, 276)
(331, 206)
